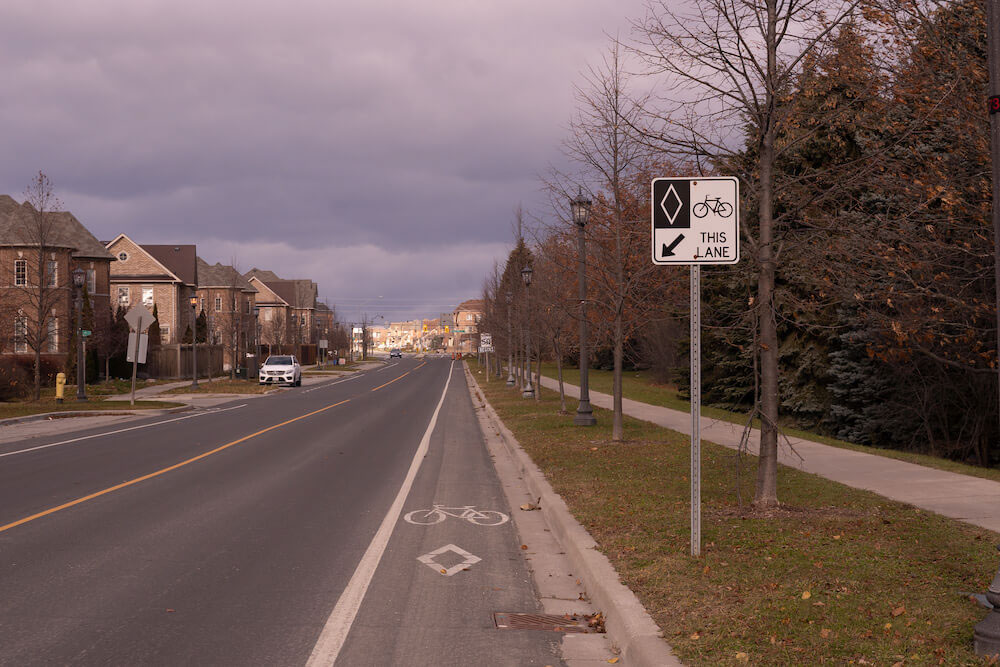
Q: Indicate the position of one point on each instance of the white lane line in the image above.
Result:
(338, 625)
(121, 430)
(385, 367)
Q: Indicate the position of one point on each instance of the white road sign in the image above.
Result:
(696, 220)
(136, 350)
(139, 317)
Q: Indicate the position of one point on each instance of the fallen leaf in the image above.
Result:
(613, 660)
(593, 449)
(819, 604)
(887, 626)
(899, 611)
(742, 657)
(170, 611)
(524, 546)
(706, 570)
(836, 537)
(806, 595)
(824, 633)
(529, 507)
(696, 636)
(444, 571)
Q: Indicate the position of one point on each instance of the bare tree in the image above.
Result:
(730, 65)
(40, 289)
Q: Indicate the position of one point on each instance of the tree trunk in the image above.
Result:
(538, 379)
(562, 393)
(617, 430)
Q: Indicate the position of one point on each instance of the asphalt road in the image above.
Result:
(267, 531)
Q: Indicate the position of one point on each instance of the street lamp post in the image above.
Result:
(580, 207)
(194, 343)
(529, 388)
(79, 277)
(510, 345)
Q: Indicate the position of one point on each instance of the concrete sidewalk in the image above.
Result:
(970, 499)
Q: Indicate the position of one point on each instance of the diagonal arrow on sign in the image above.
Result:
(668, 250)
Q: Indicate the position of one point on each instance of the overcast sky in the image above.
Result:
(377, 147)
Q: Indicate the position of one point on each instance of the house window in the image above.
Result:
(165, 332)
(20, 272)
(246, 306)
(265, 314)
(123, 256)
(123, 296)
(21, 334)
(236, 304)
(50, 272)
(218, 304)
(91, 282)
(52, 337)
(147, 296)
(201, 304)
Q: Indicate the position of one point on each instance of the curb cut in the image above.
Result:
(628, 624)
(93, 413)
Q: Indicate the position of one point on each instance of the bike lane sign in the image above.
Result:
(696, 220)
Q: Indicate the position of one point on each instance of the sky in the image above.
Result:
(376, 147)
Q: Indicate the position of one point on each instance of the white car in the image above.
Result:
(281, 368)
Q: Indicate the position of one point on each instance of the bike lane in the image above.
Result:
(434, 593)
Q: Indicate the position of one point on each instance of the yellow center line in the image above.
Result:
(151, 475)
(399, 378)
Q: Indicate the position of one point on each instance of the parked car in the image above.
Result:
(395, 352)
(281, 368)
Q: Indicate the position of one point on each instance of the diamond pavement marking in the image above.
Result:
(677, 204)
(469, 559)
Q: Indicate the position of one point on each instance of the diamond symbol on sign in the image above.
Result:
(467, 560)
(671, 202)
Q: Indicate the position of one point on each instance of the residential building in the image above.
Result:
(228, 301)
(466, 324)
(24, 287)
(164, 276)
(287, 308)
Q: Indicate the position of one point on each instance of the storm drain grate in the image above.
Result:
(566, 623)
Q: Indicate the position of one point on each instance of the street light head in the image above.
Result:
(580, 206)
(194, 301)
(526, 275)
(79, 277)
(256, 311)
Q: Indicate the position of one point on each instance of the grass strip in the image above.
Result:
(223, 386)
(10, 410)
(640, 386)
(836, 576)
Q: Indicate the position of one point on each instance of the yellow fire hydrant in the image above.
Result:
(60, 387)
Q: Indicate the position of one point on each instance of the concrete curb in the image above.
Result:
(629, 625)
(92, 413)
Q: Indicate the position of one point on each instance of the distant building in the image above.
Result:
(465, 332)
(228, 301)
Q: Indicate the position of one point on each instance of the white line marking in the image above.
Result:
(338, 625)
(469, 559)
(385, 367)
(329, 384)
(122, 430)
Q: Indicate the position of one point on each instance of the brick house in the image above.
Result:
(68, 246)
(287, 308)
(228, 301)
(162, 275)
(467, 317)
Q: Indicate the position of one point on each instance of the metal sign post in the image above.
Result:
(695, 221)
(695, 410)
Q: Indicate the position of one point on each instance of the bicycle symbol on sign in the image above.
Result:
(713, 204)
(469, 512)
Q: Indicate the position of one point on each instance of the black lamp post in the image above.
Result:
(79, 278)
(194, 342)
(529, 388)
(580, 207)
(510, 346)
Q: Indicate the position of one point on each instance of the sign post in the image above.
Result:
(695, 221)
(485, 347)
(139, 319)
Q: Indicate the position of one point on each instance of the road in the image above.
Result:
(267, 531)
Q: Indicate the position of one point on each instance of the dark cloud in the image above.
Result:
(408, 129)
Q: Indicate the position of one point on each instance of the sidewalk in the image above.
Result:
(969, 499)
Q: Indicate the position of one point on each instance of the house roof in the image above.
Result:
(65, 231)
(181, 260)
(475, 305)
(297, 293)
(261, 274)
(221, 275)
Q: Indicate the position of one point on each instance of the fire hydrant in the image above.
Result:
(60, 387)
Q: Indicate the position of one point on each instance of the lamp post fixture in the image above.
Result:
(194, 342)
(510, 345)
(580, 208)
(79, 278)
(529, 388)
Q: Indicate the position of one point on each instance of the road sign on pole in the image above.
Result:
(695, 221)
(139, 317)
